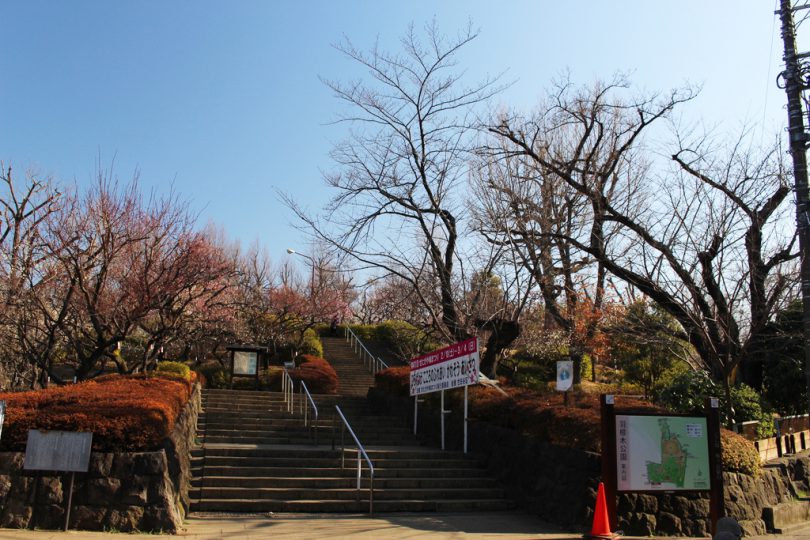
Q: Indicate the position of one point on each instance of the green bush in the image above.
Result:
(586, 367)
(177, 368)
(687, 392)
(311, 344)
(665, 381)
(404, 339)
(214, 375)
(366, 332)
(748, 406)
(398, 338)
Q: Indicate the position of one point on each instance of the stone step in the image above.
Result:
(270, 417)
(258, 412)
(277, 438)
(258, 457)
(350, 493)
(346, 481)
(344, 506)
(326, 451)
(348, 472)
(785, 515)
(237, 461)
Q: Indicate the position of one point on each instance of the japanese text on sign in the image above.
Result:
(450, 367)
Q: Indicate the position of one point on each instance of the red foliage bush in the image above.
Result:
(317, 373)
(537, 414)
(395, 380)
(129, 413)
(546, 417)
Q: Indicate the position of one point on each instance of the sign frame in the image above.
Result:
(464, 352)
(457, 365)
(665, 490)
(77, 462)
(610, 463)
(260, 357)
(44, 451)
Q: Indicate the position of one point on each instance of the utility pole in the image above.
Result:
(796, 79)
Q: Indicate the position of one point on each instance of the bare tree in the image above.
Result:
(702, 239)
(33, 295)
(530, 214)
(397, 206)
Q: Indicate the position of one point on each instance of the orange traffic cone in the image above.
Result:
(601, 523)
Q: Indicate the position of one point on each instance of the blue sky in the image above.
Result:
(223, 100)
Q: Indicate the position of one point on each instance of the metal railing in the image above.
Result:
(374, 363)
(287, 388)
(361, 452)
(305, 404)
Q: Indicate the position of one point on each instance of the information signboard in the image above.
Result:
(662, 453)
(451, 367)
(57, 451)
(244, 363)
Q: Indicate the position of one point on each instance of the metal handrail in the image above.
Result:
(287, 388)
(375, 363)
(360, 452)
(305, 403)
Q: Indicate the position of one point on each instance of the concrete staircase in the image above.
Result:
(258, 457)
(354, 379)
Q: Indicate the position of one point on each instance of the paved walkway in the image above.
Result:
(496, 525)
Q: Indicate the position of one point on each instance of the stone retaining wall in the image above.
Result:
(559, 484)
(132, 491)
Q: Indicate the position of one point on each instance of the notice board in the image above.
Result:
(67, 451)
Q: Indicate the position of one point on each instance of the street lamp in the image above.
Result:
(291, 251)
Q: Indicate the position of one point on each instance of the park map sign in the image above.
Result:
(662, 453)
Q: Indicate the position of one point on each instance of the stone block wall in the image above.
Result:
(127, 491)
(559, 484)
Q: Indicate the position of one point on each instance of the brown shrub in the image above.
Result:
(317, 373)
(545, 416)
(394, 380)
(739, 454)
(132, 413)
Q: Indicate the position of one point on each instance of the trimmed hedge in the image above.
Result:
(395, 380)
(317, 373)
(398, 338)
(176, 368)
(544, 415)
(125, 413)
(311, 343)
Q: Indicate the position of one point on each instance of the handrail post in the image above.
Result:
(359, 474)
(371, 493)
(342, 447)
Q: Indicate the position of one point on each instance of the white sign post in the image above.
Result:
(565, 375)
(2, 415)
(565, 378)
(451, 367)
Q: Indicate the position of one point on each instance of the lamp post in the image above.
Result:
(291, 251)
